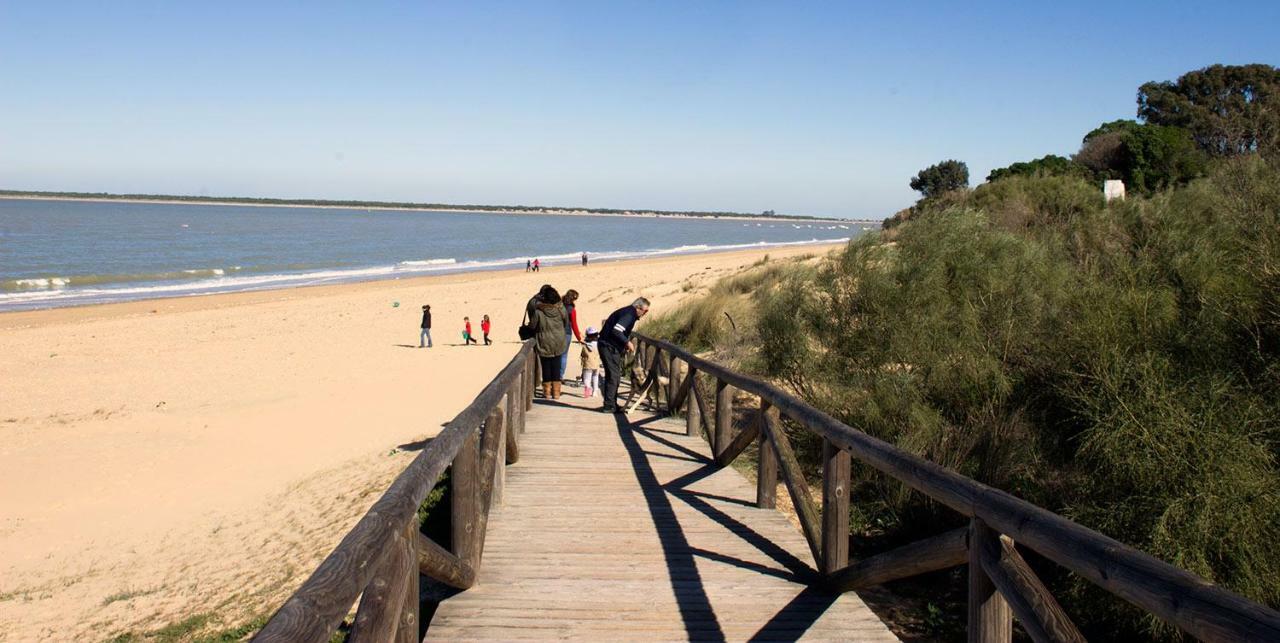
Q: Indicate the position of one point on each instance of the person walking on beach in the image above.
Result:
(615, 342)
(571, 332)
(584, 260)
(466, 332)
(425, 335)
(549, 339)
(528, 265)
(536, 264)
(590, 358)
(484, 328)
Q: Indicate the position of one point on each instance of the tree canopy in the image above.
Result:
(1229, 109)
(940, 178)
(1051, 164)
(1146, 157)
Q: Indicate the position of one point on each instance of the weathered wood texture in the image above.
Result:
(628, 531)
(1037, 610)
(314, 611)
(990, 619)
(1201, 609)
(835, 508)
(806, 511)
(931, 554)
(767, 467)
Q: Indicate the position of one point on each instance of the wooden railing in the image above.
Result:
(379, 560)
(1001, 584)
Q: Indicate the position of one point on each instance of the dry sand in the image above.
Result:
(197, 457)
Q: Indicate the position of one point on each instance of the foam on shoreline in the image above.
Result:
(61, 291)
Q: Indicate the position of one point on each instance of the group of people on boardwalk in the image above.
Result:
(424, 337)
(553, 326)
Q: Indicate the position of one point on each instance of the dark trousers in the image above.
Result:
(611, 358)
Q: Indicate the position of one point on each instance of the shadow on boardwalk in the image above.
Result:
(614, 529)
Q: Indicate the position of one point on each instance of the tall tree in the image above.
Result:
(940, 178)
(1147, 157)
(1229, 109)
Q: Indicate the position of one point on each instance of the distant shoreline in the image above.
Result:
(402, 207)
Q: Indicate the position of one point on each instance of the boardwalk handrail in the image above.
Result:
(1001, 585)
(378, 558)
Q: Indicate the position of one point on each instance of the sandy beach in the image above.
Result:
(195, 458)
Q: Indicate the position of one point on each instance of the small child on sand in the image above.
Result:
(466, 332)
(590, 363)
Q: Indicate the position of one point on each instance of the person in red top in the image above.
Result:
(484, 328)
(571, 331)
(466, 332)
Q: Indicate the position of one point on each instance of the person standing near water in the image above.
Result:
(484, 328)
(425, 335)
(570, 328)
(584, 260)
(549, 339)
(536, 264)
(615, 342)
(528, 265)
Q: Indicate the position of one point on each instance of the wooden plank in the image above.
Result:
(512, 434)
(835, 507)
(990, 619)
(806, 512)
(704, 416)
(408, 627)
(464, 487)
(440, 564)
(724, 417)
(318, 606)
(681, 393)
(492, 451)
(767, 465)
(928, 555)
(625, 531)
(1201, 609)
(673, 381)
(379, 613)
(739, 444)
(692, 414)
(1038, 611)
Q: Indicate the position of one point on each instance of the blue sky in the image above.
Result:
(817, 108)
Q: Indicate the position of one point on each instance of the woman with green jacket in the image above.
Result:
(549, 340)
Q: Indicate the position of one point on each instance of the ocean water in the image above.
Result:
(65, 253)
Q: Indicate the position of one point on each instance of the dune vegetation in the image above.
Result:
(1117, 363)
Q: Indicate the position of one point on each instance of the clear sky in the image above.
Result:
(814, 108)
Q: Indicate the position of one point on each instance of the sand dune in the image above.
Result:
(195, 458)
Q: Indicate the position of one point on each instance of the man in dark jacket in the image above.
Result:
(615, 342)
(425, 336)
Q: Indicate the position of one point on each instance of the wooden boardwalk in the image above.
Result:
(611, 529)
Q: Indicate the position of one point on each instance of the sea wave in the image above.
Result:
(46, 292)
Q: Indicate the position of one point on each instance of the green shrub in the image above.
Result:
(1118, 364)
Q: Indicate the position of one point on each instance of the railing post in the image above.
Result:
(990, 619)
(515, 419)
(767, 470)
(464, 481)
(724, 417)
(655, 394)
(836, 465)
(692, 414)
(505, 443)
(530, 375)
(410, 617)
(673, 384)
(381, 605)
